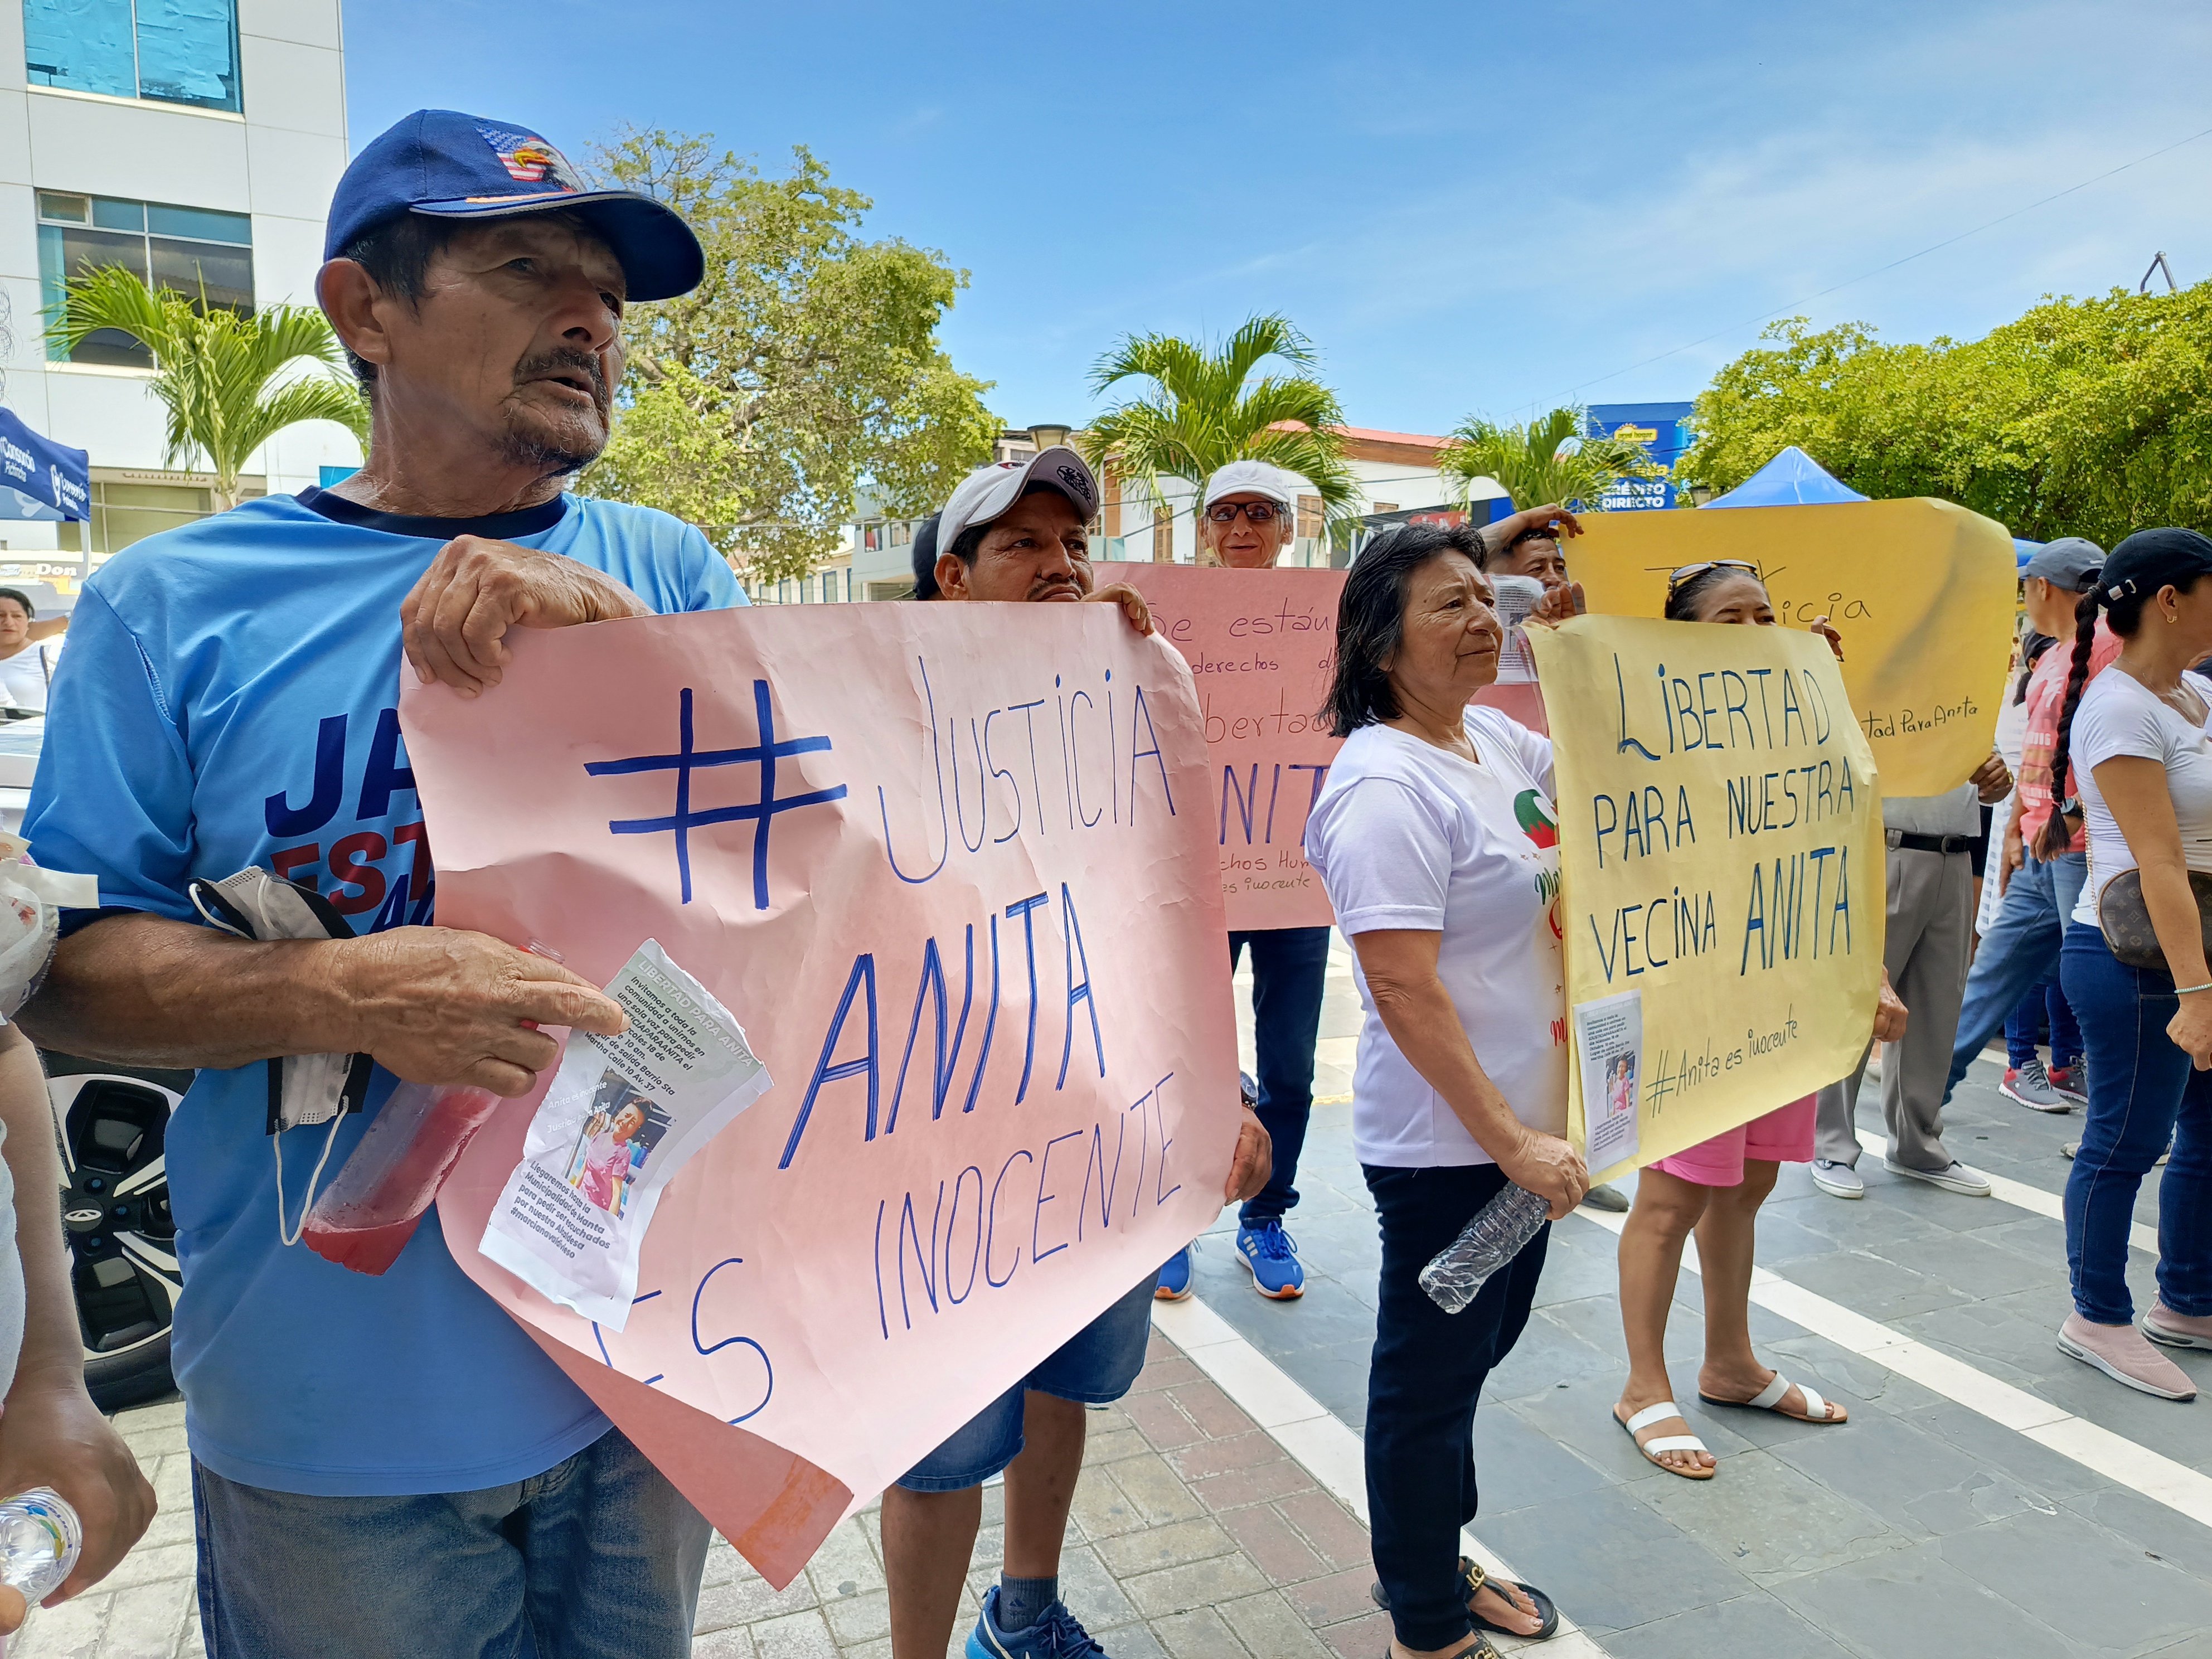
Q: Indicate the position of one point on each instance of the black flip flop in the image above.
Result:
(1473, 1577)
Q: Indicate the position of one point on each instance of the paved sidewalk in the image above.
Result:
(1193, 1536)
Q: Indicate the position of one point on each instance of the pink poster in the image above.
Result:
(1261, 645)
(950, 867)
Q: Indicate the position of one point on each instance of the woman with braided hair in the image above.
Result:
(2137, 736)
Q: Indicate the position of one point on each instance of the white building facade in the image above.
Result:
(198, 143)
(1396, 471)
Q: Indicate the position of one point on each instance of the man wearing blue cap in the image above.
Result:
(386, 1466)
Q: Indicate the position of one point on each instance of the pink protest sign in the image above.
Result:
(950, 867)
(1261, 645)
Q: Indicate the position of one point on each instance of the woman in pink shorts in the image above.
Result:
(1714, 1189)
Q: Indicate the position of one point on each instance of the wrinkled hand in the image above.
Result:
(1993, 778)
(1560, 604)
(1254, 1163)
(1131, 601)
(453, 623)
(1549, 1168)
(1889, 1013)
(1835, 639)
(52, 1435)
(440, 1004)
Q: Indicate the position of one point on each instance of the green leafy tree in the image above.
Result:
(1205, 409)
(803, 367)
(2089, 417)
(223, 378)
(1546, 460)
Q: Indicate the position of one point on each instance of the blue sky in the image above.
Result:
(1472, 208)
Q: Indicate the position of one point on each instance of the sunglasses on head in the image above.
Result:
(1254, 512)
(1692, 572)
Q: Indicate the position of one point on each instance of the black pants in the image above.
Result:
(1290, 969)
(1427, 1374)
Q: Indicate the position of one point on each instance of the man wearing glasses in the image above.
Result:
(1246, 517)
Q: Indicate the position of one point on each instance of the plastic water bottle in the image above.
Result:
(41, 1539)
(1494, 1237)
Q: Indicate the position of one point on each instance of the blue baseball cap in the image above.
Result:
(451, 166)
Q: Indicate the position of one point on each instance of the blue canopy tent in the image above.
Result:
(1793, 478)
(39, 478)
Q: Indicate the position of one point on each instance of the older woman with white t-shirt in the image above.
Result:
(2137, 737)
(1436, 838)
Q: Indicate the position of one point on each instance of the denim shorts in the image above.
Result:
(1095, 1366)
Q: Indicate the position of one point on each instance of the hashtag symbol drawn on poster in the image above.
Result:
(687, 759)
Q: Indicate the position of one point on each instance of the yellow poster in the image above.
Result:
(1922, 592)
(1721, 853)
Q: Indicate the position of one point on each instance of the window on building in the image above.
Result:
(1309, 515)
(173, 51)
(902, 533)
(127, 510)
(205, 255)
(1163, 535)
(1383, 506)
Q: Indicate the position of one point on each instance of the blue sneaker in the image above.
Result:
(1174, 1284)
(1266, 1249)
(1055, 1636)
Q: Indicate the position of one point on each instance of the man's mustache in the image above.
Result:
(550, 363)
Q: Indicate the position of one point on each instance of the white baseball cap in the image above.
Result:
(986, 492)
(1251, 478)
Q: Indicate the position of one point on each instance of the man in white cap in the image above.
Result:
(1016, 533)
(1247, 517)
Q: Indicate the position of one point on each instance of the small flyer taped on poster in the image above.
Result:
(623, 1115)
(1609, 1042)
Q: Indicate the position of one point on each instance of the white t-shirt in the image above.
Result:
(2118, 716)
(23, 678)
(1406, 835)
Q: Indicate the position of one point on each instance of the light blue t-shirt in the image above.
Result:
(229, 698)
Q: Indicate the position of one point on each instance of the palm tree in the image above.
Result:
(1205, 409)
(1546, 460)
(213, 368)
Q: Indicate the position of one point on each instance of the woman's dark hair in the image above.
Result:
(1370, 617)
(1682, 602)
(2031, 652)
(2139, 568)
(21, 598)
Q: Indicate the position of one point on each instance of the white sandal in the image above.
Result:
(1770, 1398)
(1667, 1442)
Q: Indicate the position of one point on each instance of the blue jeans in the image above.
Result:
(1422, 1386)
(599, 1558)
(2143, 1090)
(2020, 946)
(1290, 969)
(1095, 1367)
(2044, 1000)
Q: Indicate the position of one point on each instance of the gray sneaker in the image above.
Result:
(1608, 1198)
(1838, 1180)
(1952, 1177)
(2071, 1081)
(2029, 1085)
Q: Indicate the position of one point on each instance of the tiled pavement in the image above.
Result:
(1921, 1530)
